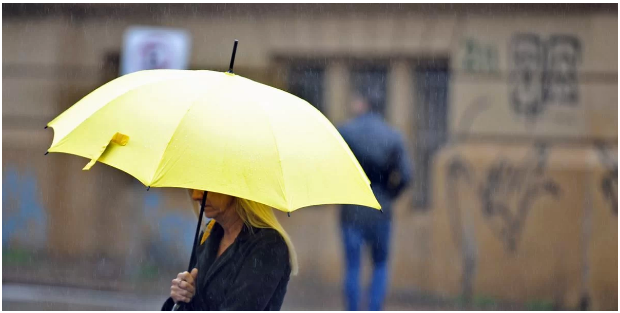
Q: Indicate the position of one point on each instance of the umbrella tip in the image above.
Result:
(381, 211)
(147, 188)
(288, 213)
(45, 127)
(232, 58)
(46, 152)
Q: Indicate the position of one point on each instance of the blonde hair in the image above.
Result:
(258, 215)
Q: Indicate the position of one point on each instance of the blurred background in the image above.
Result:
(509, 112)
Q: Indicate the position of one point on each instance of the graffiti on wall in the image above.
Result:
(23, 216)
(506, 192)
(608, 184)
(460, 173)
(509, 191)
(479, 57)
(544, 72)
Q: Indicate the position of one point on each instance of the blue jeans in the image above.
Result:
(377, 236)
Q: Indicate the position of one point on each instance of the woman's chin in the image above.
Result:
(211, 214)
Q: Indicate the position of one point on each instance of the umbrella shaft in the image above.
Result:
(202, 210)
(193, 255)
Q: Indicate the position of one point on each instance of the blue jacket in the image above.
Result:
(382, 154)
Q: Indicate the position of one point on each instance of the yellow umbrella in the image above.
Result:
(214, 131)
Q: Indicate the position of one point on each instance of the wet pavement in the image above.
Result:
(40, 297)
(56, 298)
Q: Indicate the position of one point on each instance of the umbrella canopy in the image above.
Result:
(214, 131)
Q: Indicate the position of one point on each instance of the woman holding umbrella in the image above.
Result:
(257, 146)
(243, 262)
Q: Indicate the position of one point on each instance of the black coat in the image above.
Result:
(251, 275)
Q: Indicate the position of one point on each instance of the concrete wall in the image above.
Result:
(564, 100)
(520, 215)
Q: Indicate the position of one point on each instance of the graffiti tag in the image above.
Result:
(544, 72)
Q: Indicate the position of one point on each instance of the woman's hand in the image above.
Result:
(183, 287)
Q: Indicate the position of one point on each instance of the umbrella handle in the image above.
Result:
(193, 255)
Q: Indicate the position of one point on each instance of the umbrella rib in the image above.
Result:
(100, 108)
(161, 158)
(275, 142)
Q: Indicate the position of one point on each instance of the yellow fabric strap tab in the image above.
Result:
(207, 231)
(89, 165)
(118, 138)
(94, 160)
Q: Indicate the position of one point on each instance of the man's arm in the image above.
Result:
(401, 175)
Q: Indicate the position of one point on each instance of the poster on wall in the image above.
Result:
(147, 48)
